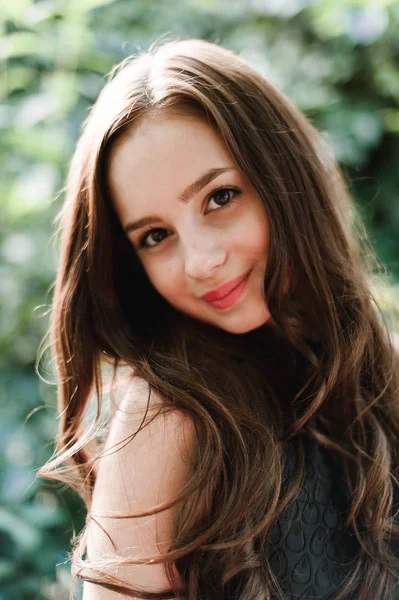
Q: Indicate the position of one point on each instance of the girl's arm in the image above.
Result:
(135, 476)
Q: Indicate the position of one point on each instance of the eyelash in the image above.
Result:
(235, 193)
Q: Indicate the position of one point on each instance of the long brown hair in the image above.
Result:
(233, 387)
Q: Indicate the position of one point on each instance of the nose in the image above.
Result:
(202, 257)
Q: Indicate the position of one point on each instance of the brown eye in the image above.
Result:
(157, 235)
(224, 196)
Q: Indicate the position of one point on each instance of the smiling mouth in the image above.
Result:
(232, 296)
(225, 289)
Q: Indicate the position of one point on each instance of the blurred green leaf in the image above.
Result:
(41, 144)
(23, 43)
(15, 9)
(16, 78)
(7, 569)
(77, 6)
(27, 537)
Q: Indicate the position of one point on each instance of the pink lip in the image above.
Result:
(224, 290)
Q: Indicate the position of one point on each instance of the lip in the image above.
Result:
(224, 290)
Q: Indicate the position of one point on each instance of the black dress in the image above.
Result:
(312, 553)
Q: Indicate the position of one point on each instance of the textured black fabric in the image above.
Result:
(312, 553)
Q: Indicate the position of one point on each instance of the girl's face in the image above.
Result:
(196, 223)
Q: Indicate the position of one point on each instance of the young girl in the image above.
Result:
(251, 441)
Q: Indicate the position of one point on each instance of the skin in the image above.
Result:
(198, 245)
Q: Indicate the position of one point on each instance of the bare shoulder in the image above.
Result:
(395, 340)
(141, 426)
(147, 459)
(138, 410)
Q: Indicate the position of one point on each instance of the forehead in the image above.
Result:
(161, 157)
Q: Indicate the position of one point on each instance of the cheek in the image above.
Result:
(259, 238)
(164, 279)
(263, 240)
(255, 228)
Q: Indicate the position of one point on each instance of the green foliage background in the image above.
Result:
(339, 62)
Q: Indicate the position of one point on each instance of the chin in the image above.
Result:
(242, 325)
(241, 328)
(243, 321)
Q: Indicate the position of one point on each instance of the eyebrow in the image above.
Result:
(188, 193)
